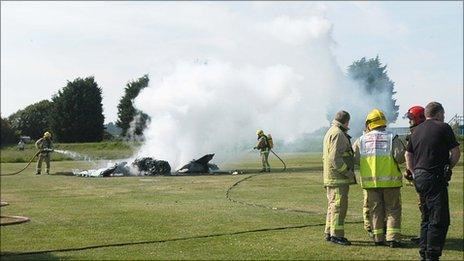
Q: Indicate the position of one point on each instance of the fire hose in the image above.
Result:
(12, 220)
(285, 166)
(228, 196)
(27, 165)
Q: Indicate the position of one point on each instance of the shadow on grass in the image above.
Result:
(406, 244)
(63, 173)
(46, 254)
(4, 256)
(456, 244)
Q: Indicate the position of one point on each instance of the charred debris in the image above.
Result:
(148, 166)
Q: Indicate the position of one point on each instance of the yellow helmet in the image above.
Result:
(375, 119)
(259, 132)
(47, 134)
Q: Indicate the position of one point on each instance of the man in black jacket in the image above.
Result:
(431, 154)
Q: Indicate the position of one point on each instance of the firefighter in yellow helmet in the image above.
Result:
(378, 153)
(338, 174)
(45, 145)
(264, 148)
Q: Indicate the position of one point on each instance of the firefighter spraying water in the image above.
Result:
(45, 147)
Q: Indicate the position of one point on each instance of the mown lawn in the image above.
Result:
(191, 218)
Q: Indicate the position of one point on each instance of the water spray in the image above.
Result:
(76, 156)
(71, 154)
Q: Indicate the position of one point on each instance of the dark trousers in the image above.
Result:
(436, 217)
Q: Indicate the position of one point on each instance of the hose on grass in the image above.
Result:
(227, 195)
(13, 219)
(21, 170)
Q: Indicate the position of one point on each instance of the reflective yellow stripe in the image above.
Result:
(380, 179)
(343, 168)
(378, 231)
(393, 230)
(329, 182)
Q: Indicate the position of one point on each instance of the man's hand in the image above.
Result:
(408, 175)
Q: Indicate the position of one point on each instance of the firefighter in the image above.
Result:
(264, 148)
(378, 153)
(338, 175)
(431, 154)
(45, 145)
(416, 116)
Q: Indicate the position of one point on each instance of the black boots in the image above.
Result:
(337, 240)
(394, 244)
(415, 240)
(340, 240)
(327, 236)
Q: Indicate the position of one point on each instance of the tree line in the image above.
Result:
(75, 113)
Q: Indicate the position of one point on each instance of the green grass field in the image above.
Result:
(191, 218)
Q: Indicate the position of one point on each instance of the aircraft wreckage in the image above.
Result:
(148, 166)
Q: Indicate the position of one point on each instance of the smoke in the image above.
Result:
(358, 103)
(136, 126)
(277, 74)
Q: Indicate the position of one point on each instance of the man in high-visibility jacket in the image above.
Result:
(45, 145)
(378, 153)
(338, 175)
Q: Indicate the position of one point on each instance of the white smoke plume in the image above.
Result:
(278, 75)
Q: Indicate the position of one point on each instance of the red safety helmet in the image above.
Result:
(415, 115)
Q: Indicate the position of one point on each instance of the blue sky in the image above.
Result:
(47, 43)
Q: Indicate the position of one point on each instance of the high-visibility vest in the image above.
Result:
(378, 168)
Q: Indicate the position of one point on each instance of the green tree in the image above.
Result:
(7, 133)
(375, 82)
(126, 111)
(78, 112)
(33, 120)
